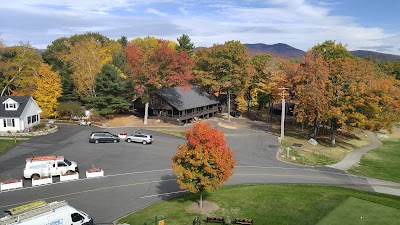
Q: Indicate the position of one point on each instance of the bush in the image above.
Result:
(95, 116)
(70, 109)
(38, 127)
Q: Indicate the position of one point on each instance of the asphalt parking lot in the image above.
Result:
(139, 175)
(132, 171)
(114, 158)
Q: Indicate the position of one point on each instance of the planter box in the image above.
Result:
(94, 174)
(42, 181)
(8, 186)
(69, 177)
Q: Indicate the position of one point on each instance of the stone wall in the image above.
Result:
(30, 134)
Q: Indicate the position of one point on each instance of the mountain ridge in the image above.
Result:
(288, 52)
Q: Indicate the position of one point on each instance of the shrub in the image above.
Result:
(95, 116)
(38, 127)
(70, 109)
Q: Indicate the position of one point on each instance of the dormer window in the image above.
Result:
(10, 104)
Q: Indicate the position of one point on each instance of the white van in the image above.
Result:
(42, 213)
(47, 166)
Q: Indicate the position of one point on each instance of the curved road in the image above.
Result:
(139, 175)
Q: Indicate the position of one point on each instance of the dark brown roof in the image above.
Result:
(187, 98)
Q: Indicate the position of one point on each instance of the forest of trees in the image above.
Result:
(329, 85)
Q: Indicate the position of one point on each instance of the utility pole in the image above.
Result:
(283, 94)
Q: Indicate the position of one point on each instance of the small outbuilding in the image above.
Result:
(18, 113)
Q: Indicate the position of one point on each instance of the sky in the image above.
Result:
(358, 24)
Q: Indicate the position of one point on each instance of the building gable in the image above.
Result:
(22, 102)
(32, 108)
(10, 105)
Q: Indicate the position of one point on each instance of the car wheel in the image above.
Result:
(115, 140)
(36, 176)
(129, 140)
(144, 142)
(96, 141)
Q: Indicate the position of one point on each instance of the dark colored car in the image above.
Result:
(236, 113)
(103, 136)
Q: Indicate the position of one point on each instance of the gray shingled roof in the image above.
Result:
(22, 100)
(188, 98)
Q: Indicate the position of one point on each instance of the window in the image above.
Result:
(76, 217)
(11, 106)
(61, 164)
(29, 120)
(35, 118)
(9, 123)
(67, 162)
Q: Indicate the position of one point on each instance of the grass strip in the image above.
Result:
(6, 144)
(381, 163)
(265, 204)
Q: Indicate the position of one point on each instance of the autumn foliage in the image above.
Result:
(48, 91)
(205, 162)
(153, 64)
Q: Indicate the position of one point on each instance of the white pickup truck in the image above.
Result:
(48, 166)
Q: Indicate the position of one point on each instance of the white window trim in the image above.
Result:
(11, 106)
(9, 123)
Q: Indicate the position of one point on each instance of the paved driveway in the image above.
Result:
(138, 175)
(72, 142)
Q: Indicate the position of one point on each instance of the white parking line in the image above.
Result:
(175, 192)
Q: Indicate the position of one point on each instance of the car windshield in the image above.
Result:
(67, 162)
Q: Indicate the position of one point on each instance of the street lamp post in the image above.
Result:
(283, 94)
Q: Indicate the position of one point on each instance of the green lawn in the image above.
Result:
(267, 204)
(381, 163)
(6, 144)
(356, 211)
(324, 153)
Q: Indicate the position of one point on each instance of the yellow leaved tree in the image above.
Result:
(87, 57)
(48, 90)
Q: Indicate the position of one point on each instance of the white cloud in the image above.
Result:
(156, 12)
(299, 23)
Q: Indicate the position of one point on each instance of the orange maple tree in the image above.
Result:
(205, 162)
(153, 64)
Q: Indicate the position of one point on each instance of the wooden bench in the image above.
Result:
(210, 219)
(243, 221)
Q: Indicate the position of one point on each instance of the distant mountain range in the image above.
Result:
(288, 52)
(276, 50)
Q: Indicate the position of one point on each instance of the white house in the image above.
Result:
(18, 113)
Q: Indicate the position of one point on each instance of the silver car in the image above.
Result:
(142, 138)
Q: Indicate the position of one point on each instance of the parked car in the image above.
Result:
(236, 113)
(142, 138)
(103, 136)
(85, 123)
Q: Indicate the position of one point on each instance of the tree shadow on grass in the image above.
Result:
(170, 190)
